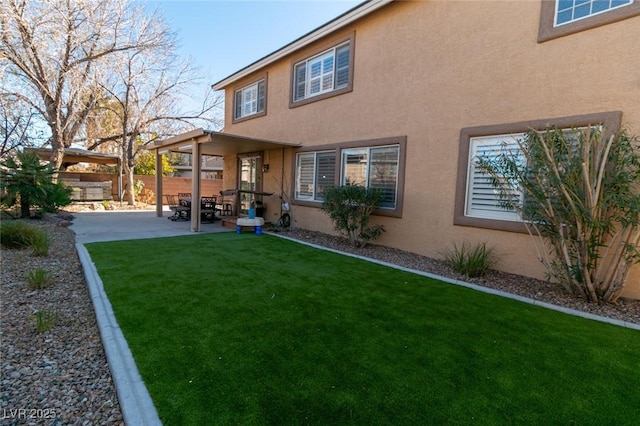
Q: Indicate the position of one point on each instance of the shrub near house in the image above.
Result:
(578, 191)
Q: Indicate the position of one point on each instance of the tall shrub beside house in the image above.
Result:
(350, 208)
(579, 196)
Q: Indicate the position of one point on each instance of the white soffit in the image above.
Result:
(320, 32)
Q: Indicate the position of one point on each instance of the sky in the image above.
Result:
(224, 36)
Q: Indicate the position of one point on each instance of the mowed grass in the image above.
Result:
(246, 329)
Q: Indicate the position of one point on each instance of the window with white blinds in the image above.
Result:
(315, 172)
(375, 167)
(323, 73)
(483, 200)
(249, 100)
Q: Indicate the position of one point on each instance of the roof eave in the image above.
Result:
(330, 27)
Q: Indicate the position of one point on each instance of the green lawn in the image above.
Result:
(246, 329)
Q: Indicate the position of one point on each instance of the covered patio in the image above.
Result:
(201, 142)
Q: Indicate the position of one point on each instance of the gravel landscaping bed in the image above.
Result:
(61, 376)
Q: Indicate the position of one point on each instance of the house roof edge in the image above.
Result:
(335, 24)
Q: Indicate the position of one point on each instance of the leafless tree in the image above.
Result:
(56, 53)
(146, 96)
(17, 128)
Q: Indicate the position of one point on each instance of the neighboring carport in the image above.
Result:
(205, 142)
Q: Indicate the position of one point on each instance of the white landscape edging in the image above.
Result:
(135, 402)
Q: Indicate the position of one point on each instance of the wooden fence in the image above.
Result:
(170, 185)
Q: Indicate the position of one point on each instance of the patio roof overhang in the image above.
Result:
(216, 143)
(206, 142)
(76, 155)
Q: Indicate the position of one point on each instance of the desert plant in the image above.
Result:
(350, 208)
(470, 260)
(581, 197)
(45, 319)
(18, 234)
(39, 279)
(30, 183)
(40, 244)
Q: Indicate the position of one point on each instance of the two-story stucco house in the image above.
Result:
(400, 94)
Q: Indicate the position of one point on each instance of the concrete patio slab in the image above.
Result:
(131, 225)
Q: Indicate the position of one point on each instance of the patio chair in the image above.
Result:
(225, 202)
(208, 208)
(180, 212)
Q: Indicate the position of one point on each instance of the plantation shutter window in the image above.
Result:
(373, 167)
(383, 173)
(261, 96)
(483, 200)
(315, 172)
(342, 66)
(322, 73)
(238, 104)
(250, 100)
(325, 173)
(301, 73)
(304, 176)
(354, 166)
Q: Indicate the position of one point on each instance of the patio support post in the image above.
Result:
(196, 162)
(158, 183)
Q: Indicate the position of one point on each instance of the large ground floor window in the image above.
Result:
(477, 202)
(375, 163)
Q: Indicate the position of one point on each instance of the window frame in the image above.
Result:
(368, 151)
(254, 82)
(399, 141)
(329, 45)
(549, 31)
(314, 193)
(610, 120)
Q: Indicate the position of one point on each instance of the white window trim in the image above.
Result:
(557, 11)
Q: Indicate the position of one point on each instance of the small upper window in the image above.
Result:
(250, 100)
(327, 72)
(573, 10)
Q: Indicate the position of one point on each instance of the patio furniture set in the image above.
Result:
(180, 205)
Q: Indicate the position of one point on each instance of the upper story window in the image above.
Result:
(573, 10)
(323, 73)
(559, 18)
(250, 101)
(326, 72)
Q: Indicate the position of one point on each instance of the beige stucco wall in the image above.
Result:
(428, 69)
